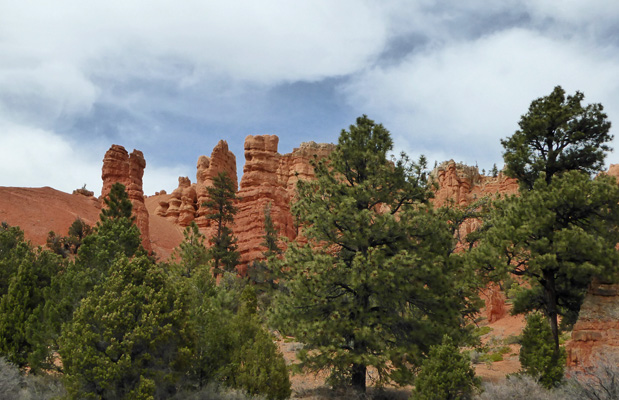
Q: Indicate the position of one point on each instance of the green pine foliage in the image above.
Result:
(69, 245)
(537, 354)
(270, 238)
(192, 255)
(232, 347)
(129, 338)
(556, 237)
(229, 345)
(265, 273)
(77, 233)
(114, 236)
(256, 364)
(495, 171)
(117, 204)
(378, 283)
(23, 328)
(13, 248)
(557, 134)
(223, 250)
(446, 374)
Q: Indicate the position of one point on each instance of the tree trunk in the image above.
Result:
(551, 307)
(358, 377)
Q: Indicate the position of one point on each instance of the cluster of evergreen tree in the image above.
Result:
(382, 280)
(120, 325)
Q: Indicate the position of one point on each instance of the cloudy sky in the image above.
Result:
(449, 78)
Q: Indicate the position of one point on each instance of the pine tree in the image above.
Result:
(556, 237)
(129, 337)
(538, 357)
(117, 204)
(221, 207)
(114, 236)
(495, 171)
(367, 289)
(13, 248)
(446, 374)
(25, 337)
(77, 233)
(557, 134)
(264, 273)
(271, 238)
(192, 254)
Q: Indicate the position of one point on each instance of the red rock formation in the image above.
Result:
(462, 185)
(115, 168)
(495, 303)
(613, 170)
(296, 166)
(260, 185)
(596, 333)
(270, 178)
(222, 160)
(185, 203)
(119, 166)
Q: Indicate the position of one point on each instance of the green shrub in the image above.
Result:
(446, 374)
(128, 338)
(235, 350)
(482, 330)
(537, 354)
(512, 339)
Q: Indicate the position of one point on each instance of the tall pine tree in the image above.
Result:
(556, 237)
(221, 207)
(378, 282)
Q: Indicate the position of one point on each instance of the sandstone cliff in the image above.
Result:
(128, 169)
(596, 333)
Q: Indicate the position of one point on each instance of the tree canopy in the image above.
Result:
(557, 134)
(556, 237)
(371, 288)
(223, 250)
(128, 338)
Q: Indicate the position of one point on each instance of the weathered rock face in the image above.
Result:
(462, 184)
(119, 166)
(596, 333)
(185, 202)
(494, 303)
(613, 170)
(222, 160)
(270, 178)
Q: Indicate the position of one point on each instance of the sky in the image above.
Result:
(448, 79)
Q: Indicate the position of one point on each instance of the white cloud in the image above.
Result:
(458, 77)
(40, 158)
(269, 41)
(465, 96)
(37, 158)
